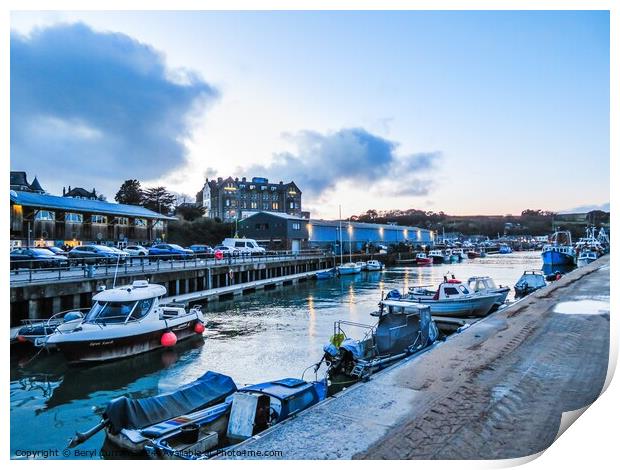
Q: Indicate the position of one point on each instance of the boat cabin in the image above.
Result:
(124, 304)
(481, 284)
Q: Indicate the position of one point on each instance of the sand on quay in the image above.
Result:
(497, 390)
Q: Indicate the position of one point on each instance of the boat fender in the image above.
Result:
(168, 339)
(199, 327)
(454, 281)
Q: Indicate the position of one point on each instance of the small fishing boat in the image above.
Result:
(362, 265)
(349, 268)
(403, 328)
(203, 416)
(504, 249)
(560, 250)
(452, 299)
(487, 285)
(472, 254)
(374, 265)
(35, 332)
(529, 282)
(437, 256)
(422, 260)
(125, 321)
(459, 253)
(327, 274)
(586, 256)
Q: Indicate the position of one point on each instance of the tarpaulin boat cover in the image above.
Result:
(129, 413)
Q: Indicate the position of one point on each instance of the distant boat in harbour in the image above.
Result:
(560, 250)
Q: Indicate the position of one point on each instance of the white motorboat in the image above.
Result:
(437, 256)
(125, 321)
(452, 299)
(349, 268)
(487, 285)
(374, 265)
(362, 265)
(586, 256)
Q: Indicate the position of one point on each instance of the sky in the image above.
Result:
(464, 112)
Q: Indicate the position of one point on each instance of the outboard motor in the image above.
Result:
(393, 295)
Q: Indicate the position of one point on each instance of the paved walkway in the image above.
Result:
(495, 391)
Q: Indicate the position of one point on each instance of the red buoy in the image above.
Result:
(199, 327)
(168, 339)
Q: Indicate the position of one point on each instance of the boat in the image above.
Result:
(202, 417)
(422, 260)
(349, 268)
(326, 274)
(362, 265)
(560, 250)
(452, 299)
(472, 254)
(529, 282)
(374, 265)
(586, 256)
(35, 332)
(437, 256)
(123, 322)
(459, 253)
(487, 285)
(504, 249)
(403, 328)
(451, 257)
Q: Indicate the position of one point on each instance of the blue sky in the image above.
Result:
(465, 112)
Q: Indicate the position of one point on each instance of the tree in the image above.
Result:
(130, 192)
(101, 197)
(189, 211)
(158, 199)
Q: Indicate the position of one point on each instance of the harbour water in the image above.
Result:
(262, 336)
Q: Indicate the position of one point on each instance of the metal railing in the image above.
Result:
(91, 267)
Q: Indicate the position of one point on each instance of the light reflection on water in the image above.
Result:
(262, 336)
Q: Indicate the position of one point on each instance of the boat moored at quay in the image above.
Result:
(123, 322)
(560, 250)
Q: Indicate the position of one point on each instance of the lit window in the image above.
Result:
(73, 217)
(98, 219)
(121, 220)
(45, 215)
(296, 226)
(159, 224)
(139, 222)
(275, 206)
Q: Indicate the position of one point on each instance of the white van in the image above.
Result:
(244, 245)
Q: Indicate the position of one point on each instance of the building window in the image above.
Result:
(227, 202)
(98, 219)
(291, 205)
(275, 206)
(273, 188)
(73, 217)
(139, 222)
(45, 215)
(158, 224)
(121, 220)
(265, 196)
(254, 205)
(262, 188)
(252, 186)
(296, 226)
(265, 207)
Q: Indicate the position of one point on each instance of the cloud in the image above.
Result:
(92, 109)
(349, 155)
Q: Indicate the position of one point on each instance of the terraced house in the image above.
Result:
(78, 217)
(227, 199)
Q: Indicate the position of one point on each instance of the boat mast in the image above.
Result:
(340, 230)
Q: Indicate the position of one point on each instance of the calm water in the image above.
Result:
(258, 337)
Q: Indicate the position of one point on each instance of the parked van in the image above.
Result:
(244, 245)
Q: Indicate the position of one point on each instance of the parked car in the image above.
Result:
(202, 251)
(244, 245)
(170, 251)
(220, 251)
(56, 250)
(93, 254)
(36, 258)
(136, 250)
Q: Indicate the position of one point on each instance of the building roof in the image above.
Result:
(345, 223)
(35, 185)
(18, 178)
(48, 201)
(282, 215)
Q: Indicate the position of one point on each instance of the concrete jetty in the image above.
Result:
(496, 390)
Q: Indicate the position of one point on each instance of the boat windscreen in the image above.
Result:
(109, 312)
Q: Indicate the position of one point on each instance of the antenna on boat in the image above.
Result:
(118, 259)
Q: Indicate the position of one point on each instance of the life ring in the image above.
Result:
(219, 255)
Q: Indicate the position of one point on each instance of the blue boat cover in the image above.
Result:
(130, 413)
(393, 295)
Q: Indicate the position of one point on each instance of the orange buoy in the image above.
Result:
(168, 339)
(199, 327)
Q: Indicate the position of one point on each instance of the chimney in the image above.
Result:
(63, 190)
(243, 179)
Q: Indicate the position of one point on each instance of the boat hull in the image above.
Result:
(349, 271)
(557, 258)
(474, 307)
(438, 259)
(100, 350)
